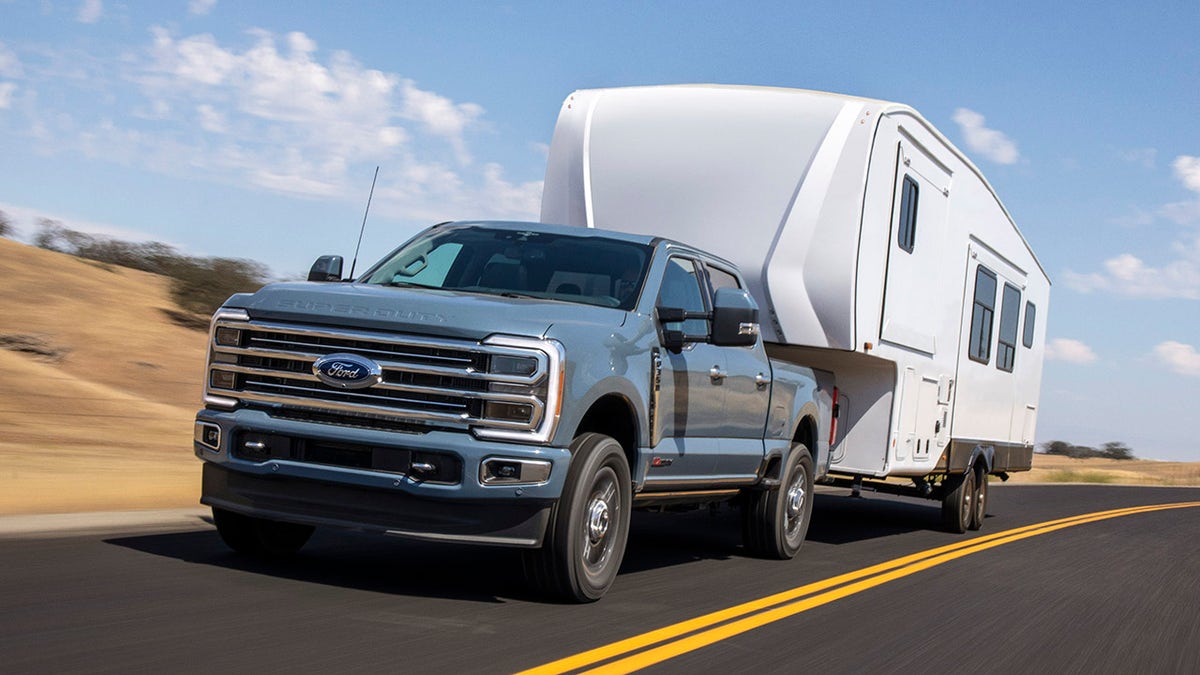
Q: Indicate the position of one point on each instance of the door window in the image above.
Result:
(681, 289)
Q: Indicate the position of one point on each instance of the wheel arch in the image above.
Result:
(613, 415)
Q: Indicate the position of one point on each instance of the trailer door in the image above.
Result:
(913, 310)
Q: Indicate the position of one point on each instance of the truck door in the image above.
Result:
(747, 396)
(693, 385)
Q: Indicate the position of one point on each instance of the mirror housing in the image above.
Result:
(326, 268)
(734, 318)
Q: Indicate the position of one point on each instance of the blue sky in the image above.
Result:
(252, 129)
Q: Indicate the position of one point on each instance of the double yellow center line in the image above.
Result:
(668, 642)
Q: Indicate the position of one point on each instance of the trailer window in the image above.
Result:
(1010, 310)
(1030, 315)
(907, 233)
(982, 313)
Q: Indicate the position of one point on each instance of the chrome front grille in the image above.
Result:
(428, 382)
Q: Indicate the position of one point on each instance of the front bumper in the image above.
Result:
(364, 495)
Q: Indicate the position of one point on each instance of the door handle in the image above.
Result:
(761, 380)
(716, 374)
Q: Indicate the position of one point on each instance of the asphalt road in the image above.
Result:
(1119, 595)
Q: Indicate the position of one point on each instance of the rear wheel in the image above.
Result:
(958, 501)
(775, 521)
(586, 536)
(979, 505)
(259, 536)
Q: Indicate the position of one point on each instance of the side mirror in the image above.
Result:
(326, 268)
(674, 340)
(734, 318)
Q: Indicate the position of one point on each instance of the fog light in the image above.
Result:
(506, 471)
(222, 379)
(509, 412)
(208, 435)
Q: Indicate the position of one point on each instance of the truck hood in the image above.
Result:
(423, 311)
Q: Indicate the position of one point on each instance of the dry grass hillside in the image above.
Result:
(98, 387)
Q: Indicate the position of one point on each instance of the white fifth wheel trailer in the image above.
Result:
(874, 247)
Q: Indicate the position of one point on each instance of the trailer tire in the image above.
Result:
(775, 521)
(979, 501)
(589, 526)
(258, 536)
(958, 501)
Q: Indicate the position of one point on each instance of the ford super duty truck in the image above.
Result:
(512, 384)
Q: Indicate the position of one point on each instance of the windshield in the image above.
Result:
(588, 270)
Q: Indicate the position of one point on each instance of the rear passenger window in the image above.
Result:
(721, 279)
(1030, 316)
(983, 312)
(1010, 311)
(907, 232)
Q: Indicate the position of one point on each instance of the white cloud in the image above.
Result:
(201, 7)
(1178, 357)
(505, 200)
(990, 143)
(211, 120)
(296, 122)
(275, 112)
(440, 115)
(196, 60)
(1130, 276)
(1144, 157)
(10, 65)
(1187, 170)
(1187, 212)
(90, 11)
(6, 94)
(1071, 351)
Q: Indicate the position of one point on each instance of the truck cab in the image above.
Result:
(515, 384)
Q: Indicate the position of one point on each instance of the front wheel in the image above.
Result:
(259, 536)
(775, 521)
(586, 536)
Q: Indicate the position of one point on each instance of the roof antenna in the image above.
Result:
(362, 229)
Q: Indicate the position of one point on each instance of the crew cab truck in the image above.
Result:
(512, 384)
(876, 250)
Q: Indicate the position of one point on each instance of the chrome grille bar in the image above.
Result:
(424, 380)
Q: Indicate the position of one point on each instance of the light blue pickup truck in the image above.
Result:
(511, 384)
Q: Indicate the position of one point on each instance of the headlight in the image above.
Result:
(520, 366)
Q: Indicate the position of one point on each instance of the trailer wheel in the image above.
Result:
(586, 536)
(979, 505)
(259, 536)
(775, 521)
(958, 501)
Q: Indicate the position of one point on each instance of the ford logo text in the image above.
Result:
(347, 371)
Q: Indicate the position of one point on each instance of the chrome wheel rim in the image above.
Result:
(795, 502)
(600, 529)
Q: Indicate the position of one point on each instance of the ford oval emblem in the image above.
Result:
(347, 371)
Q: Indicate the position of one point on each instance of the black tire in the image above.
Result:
(258, 536)
(958, 501)
(589, 526)
(979, 500)
(775, 521)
